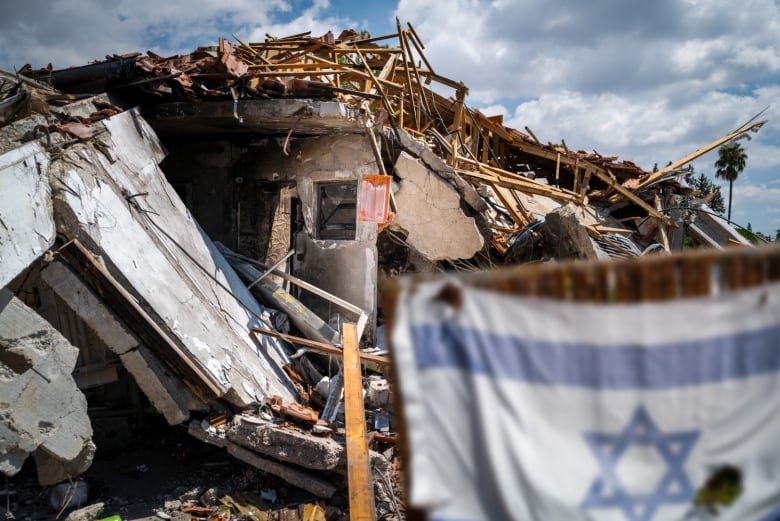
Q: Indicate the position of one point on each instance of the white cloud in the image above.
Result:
(74, 32)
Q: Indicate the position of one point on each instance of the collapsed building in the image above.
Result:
(193, 233)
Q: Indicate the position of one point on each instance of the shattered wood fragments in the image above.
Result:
(390, 79)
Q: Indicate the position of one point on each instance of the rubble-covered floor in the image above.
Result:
(156, 471)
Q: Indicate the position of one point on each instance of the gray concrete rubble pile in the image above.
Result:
(136, 270)
(43, 412)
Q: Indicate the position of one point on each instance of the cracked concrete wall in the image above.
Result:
(43, 412)
(26, 225)
(113, 197)
(346, 268)
(429, 210)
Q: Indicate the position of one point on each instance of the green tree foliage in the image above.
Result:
(754, 237)
(731, 162)
(705, 187)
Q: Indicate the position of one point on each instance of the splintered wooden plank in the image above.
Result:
(320, 347)
(506, 197)
(419, 46)
(408, 52)
(361, 492)
(405, 59)
(670, 169)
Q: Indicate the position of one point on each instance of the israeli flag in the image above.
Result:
(534, 409)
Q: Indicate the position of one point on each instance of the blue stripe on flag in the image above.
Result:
(629, 366)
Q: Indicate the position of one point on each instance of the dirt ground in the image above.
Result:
(137, 470)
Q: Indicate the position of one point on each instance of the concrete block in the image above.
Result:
(44, 411)
(565, 237)
(378, 393)
(285, 444)
(301, 478)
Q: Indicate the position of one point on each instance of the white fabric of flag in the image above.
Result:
(538, 409)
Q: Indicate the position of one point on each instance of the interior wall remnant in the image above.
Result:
(426, 203)
(347, 268)
(261, 198)
(43, 411)
(200, 171)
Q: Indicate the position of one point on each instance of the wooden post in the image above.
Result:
(661, 225)
(584, 185)
(577, 177)
(361, 492)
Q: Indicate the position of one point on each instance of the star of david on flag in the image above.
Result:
(673, 487)
(534, 409)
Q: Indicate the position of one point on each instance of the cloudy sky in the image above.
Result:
(647, 81)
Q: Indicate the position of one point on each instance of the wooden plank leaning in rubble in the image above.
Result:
(419, 46)
(668, 170)
(664, 233)
(517, 182)
(504, 178)
(378, 86)
(361, 492)
(410, 60)
(405, 59)
(320, 347)
(601, 173)
(504, 194)
(127, 308)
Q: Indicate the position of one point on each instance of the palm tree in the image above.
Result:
(730, 163)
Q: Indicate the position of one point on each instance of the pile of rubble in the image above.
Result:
(194, 235)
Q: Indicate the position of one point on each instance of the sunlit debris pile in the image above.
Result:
(111, 244)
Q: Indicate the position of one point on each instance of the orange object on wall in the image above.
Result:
(374, 198)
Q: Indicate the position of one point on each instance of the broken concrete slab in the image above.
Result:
(166, 393)
(26, 223)
(426, 203)
(44, 413)
(286, 444)
(713, 230)
(566, 237)
(121, 206)
(295, 476)
(435, 163)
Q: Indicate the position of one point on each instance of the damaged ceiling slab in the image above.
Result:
(203, 229)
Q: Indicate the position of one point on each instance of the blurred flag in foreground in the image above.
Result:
(538, 409)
